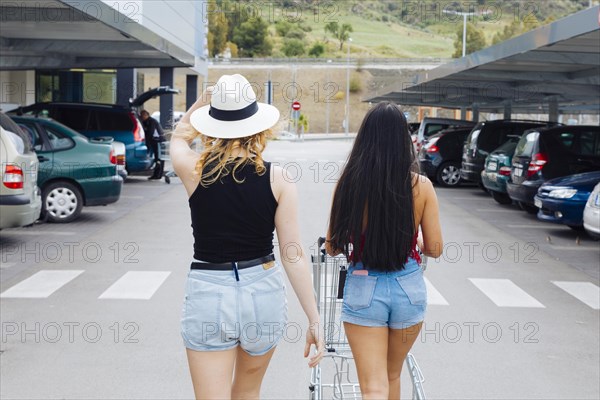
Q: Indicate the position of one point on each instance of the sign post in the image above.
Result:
(296, 115)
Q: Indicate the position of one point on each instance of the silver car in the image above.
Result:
(591, 213)
(20, 199)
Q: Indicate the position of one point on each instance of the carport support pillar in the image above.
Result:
(463, 113)
(166, 102)
(553, 109)
(126, 85)
(475, 109)
(507, 110)
(191, 90)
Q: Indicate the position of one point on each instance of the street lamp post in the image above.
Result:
(326, 99)
(347, 121)
(464, 15)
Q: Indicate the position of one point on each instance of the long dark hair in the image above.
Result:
(378, 180)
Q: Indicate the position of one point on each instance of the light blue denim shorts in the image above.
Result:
(394, 299)
(220, 312)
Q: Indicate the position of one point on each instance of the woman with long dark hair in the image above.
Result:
(379, 204)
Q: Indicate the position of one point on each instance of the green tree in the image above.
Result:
(475, 40)
(293, 47)
(316, 50)
(282, 27)
(217, 29)
(340, 32)
(252, 38)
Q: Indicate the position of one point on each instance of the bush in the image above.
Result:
(316, 50)
(293, 47)
(282, 27)
(355, 83)
(295, 33)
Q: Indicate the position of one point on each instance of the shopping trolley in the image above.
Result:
(328, 275)
(164, 156)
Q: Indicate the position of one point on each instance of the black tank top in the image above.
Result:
(234, 221)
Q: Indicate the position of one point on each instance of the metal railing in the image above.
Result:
(327, 61)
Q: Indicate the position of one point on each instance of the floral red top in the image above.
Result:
(414, 253)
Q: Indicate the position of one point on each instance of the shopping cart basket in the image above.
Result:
(328, 275)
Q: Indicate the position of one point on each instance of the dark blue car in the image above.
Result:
(562, 200)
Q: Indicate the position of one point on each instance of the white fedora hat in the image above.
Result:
(233, 111)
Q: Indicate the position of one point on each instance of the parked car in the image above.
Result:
(562, 200)
(20, 202)
(544, 154)
(74, 171)
(440, 156)
(97, 120)
(486, 137)
(591, 214)
(120, 154)
(496, 171)
(430, 126)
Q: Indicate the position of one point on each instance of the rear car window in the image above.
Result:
(37, 142)
(434, 128)
(527, 144)
(74, 117)
(589, 143)
(10, 126)
(58, 140)
(111, 120)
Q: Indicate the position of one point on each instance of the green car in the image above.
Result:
(74, 171)
(496, 171)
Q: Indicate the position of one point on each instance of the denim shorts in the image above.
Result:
(394, 299)
(220, 312)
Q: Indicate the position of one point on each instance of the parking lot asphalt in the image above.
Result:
(91, 309)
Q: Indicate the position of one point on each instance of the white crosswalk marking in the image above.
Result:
(585, 292)
(41, 284)
(504, 293)
(136, 285)
(434, 297)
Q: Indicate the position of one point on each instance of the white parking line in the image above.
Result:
(585, 292)
(5, 265)
(434, 297)
(532, 226)
(136, 285)
(41, 284)
(40, 232)
(504, 293)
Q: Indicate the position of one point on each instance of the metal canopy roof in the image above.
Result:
(38, 34)
(559, 62)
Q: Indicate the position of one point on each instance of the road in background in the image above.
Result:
(91, 309)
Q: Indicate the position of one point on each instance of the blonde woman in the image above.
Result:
(235, 307)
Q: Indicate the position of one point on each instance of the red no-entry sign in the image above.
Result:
(296, 105)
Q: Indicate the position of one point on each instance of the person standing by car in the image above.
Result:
(235, 306)
(154, 136)
(378, 206)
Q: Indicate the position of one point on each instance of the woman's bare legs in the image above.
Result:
(249, 374)
(370, 350)
(211, 373)
(400, 342)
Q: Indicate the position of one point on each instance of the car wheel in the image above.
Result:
(578, 228)
(528, 207)
(61, 202)
(448, 174)
(501, 198)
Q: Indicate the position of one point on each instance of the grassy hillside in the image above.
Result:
(390, 28)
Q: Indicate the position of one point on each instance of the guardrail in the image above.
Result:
(330, 61)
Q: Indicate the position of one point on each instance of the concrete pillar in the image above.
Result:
(191, 90)
(126, 85)
(463, 113)
(475, 108)
(507, 110)
(166, 101)
(553, 109)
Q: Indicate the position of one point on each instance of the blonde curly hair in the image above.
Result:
(217, 153)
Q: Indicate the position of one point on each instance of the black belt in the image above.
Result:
(232, 265)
